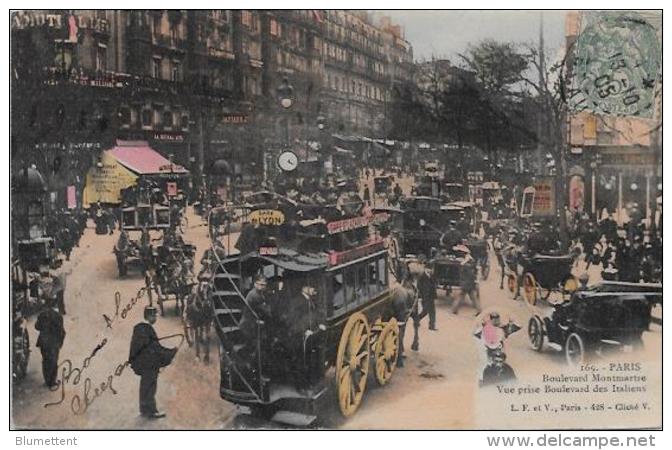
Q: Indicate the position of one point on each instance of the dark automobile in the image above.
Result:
(609, 313)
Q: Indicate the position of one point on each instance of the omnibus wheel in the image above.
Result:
(575, 350)
(386, 352)
(352, 364)
(512, 283)
(535, 331)
(530, 289)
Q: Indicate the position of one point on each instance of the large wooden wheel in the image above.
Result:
(530, 289)
(352, 364)
(535, 331)
(386, 352)
(575, 349)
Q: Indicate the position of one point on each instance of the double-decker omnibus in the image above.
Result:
(288, 376)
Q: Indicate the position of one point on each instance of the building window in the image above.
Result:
(146, 118)
(125, 116)
(167, 120)
(352, 87)
(185, 122)
(274, 28)
(158, 119)
(156, 26)
(156, 67)
(175, 74)
(174, 34)
(101, 58)
(246, 18)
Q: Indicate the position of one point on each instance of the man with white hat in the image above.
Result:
(468, 285)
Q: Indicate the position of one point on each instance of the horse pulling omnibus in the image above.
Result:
(288, 375)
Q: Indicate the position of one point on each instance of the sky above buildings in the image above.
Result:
(446, 34)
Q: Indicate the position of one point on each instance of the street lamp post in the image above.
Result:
(594, 164)
(286, 99)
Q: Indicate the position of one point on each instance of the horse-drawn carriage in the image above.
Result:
(135, 220)
(449, 271)
(266, 363)
(608, 314)
(545, 274)
(174, 272)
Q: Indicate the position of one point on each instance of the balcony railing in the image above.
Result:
(166, 41)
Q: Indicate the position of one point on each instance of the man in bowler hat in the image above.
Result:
(52, 334)
(146, 357)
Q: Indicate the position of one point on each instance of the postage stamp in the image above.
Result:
(617, 65)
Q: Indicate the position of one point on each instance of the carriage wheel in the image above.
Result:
(575, 349)
(569, 285)
(21, 358)
(386, 352)
(535, 332)
(352, 364)
(530, 289)
(512, 283)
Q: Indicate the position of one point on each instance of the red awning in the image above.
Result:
(139, 157)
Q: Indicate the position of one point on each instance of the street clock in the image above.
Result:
(288, 161)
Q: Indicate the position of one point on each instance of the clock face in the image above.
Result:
(288, 161)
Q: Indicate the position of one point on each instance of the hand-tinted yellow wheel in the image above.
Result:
(530, 289)
(570, 285)
(386, 352)
(352, 364)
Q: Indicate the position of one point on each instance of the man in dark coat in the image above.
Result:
(468, 285)
(146, 357)
(258, 304)
(52, 333)
(307, 317)
(427, 294)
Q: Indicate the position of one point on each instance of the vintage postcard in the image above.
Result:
(336, 219)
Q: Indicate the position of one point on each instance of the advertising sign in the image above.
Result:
(267, 217)
(72, 197)
(544, 197)
(105, 181)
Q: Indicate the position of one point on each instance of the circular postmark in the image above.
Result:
(616, 65)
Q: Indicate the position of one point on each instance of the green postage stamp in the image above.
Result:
(617, 65)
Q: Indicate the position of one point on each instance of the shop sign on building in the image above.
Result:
(235, 119)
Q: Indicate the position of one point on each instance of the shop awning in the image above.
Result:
(140, 158)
